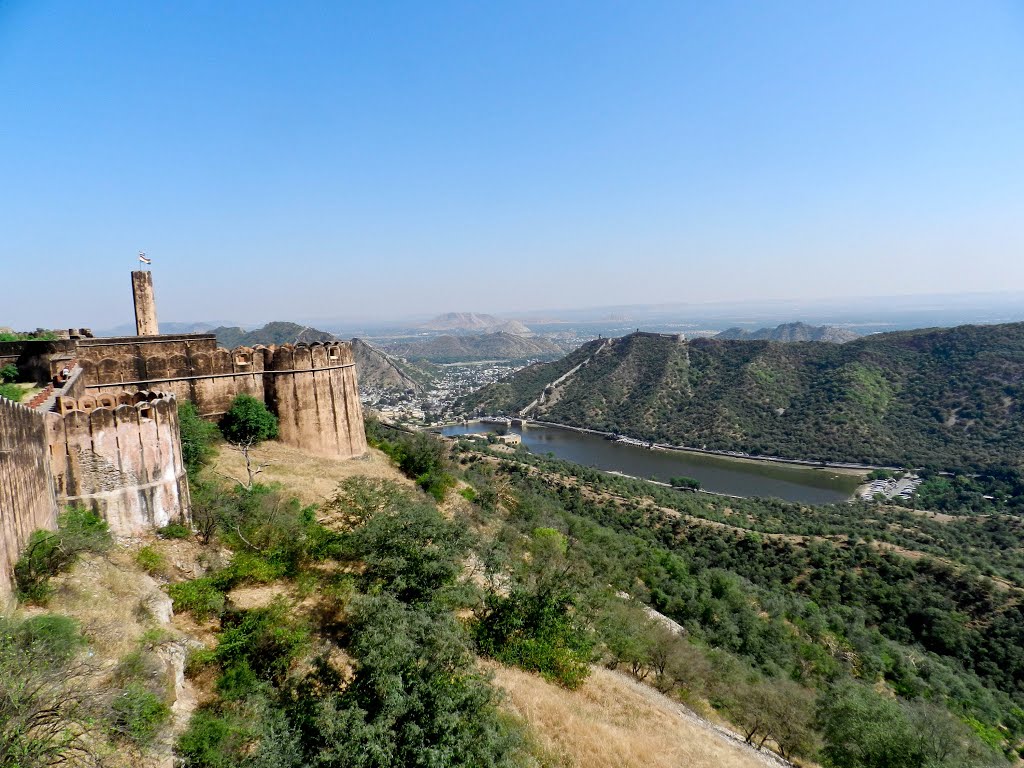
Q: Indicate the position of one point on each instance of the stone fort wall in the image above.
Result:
(112, 444)
(311, 387)
(313, 390)
(191, 367)
(27, 500)
(120, 455)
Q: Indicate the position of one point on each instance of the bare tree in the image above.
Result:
(252, 468)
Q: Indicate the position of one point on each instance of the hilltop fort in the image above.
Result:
(102, 432)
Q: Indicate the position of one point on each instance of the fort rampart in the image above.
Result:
(104, 433)
(313, 390)
(311, 387)
(27, 500)
(120, 455)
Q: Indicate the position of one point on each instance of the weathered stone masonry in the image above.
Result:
(311, 387)
(27, 498)
(120, 456)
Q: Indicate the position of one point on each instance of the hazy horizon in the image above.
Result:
(403, 160)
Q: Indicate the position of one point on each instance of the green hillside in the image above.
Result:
(476, 347)
(941, 397)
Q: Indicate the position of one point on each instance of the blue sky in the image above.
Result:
(361, 160)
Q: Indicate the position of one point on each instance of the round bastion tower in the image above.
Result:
(313, 390)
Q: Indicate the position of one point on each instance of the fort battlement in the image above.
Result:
(120, 455)
(311, 387)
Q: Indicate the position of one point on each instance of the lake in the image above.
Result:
(715, 473)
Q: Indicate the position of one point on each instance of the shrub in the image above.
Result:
(265, 640)
(8, 374)
(138, 713)
(12, 392)
(248, 421)
(410, 551)
(213, 740)
(47, 700)
(48, 553)
(150, 560)
(51, 636)
(415, 699)
(536, 632)
(174, 531)
(197, 436)
(200, 597)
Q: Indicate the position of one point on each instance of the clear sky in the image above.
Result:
(296, 160)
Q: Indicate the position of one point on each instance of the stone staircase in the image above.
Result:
(46, 399)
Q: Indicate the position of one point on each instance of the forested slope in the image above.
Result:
(941, 397)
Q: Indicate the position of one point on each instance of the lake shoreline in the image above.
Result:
(719, 473)
(847, 468)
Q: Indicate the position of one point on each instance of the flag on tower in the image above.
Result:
(143, 259)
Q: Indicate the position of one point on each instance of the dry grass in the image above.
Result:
(111, 598)
(610, 723)
(312, 478)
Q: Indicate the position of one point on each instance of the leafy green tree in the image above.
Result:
(865, 730)
(248, 422)
(537, 625)
(416, 699)
(8, 373)
(197, 437)
(410, 551)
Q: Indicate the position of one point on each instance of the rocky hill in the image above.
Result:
(944, 397)
(377, 369)
(274, 333)
(472, 322)
(792, 332)
(475, 347)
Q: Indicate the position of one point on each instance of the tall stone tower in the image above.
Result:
(145, 304)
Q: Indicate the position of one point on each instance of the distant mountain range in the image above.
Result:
(472, 322)
(476, 347)
(949, 398)
(275, 333)
(792, 332)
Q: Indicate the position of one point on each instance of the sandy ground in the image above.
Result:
(614, 722)
(312, 478)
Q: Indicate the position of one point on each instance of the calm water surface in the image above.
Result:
(719, 474)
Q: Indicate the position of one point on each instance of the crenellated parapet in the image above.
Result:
(120, 455)
(313, 390)
(311, 387)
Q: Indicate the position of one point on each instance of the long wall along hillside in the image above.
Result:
(103, 430)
